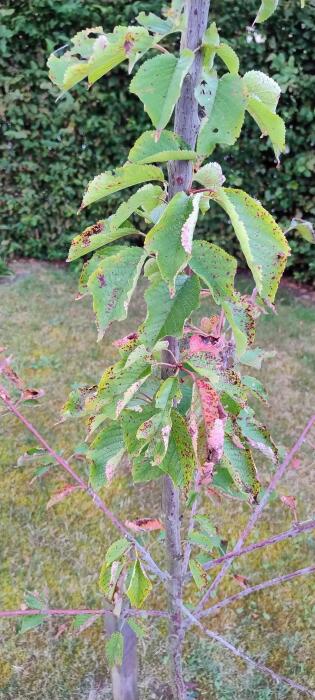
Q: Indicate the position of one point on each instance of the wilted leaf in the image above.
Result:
(168, 72)
(189, 226)
(242, 580)
(139, 586)
(144, 524)
(290, 502)
(214, 418)
(61, 495)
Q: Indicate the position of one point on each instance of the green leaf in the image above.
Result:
(202, 540)
(242, 467)
(265, 11)
(158, 85)
(198, 573)
(261, 86)
(215, 267)
(105, 454)
(109, 182)
(206, 525)
(166, 315)
(119, 385)
(29, 622)
(224, 482)
(240, 315)
(210, 176)
(229, 57)
(304, 228)
(270, 124)
(155, 432)
(179, 461)
(155, 24)
(112, 285)
(224, 122)
(138, 629)
(35, 601)
(139, 586)
(167, 393)
(206, 91)
(114, 649)
(116, 550)
(262, 241)
(255, 356)
(143, 471)
(168, 231)
(150, 149)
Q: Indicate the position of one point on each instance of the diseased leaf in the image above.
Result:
(242, 467)
(30, 622)
(150, 149)
(214, 418)
(189, 226)
(165, 315)
(116, 550)
(223, 481)
(198, 573)
(124, 43)
(144, 525)
(255, 387)
(262, 241)
(261, 86)
(109, 578)
(166, 232)
(156, 433)
(256, 435)
(112, 284)
(96, 236)
(266, 9)
(139, 586)
(114, 649)
(224, 381)
(224, 122)
(113, 181)
(255, 356)
(215, 267)
(168, 72)
(119, 385)
(179, 461)
(105, 454)
(61, 495)
(270, 124)
(240, 313)
(76, 404)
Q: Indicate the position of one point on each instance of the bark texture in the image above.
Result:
(124, 677)
(187, 124)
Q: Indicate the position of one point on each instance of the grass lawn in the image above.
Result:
(60, 551)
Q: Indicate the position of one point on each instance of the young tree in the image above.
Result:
(177, 399)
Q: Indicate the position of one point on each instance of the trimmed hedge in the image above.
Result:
(50, 150)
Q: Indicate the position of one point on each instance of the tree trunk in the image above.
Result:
(124, 677)
(187, 124)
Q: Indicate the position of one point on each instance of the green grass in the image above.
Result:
(60, 551)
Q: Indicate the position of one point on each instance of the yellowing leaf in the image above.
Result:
(139, 586)
(168, 72)
(109, 182)
(270, 124)
(262, 241)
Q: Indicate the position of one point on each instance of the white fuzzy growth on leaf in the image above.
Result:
(188, 229)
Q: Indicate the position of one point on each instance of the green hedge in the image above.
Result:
(50, 150)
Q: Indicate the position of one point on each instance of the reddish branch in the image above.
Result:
(255, 515)
(163, 575)
(297, 529)
(59, 612)
(259, 587)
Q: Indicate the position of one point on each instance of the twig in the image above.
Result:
(279, 678)
(187, 550)
(57, 612)
(256, 514)
(163, 575)
(297, 529)
(259, 587)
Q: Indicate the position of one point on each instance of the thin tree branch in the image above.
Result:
(279, 678)
(297, 529)
(163, 575)
(59, 612)
(259, 587)
(256, 514)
